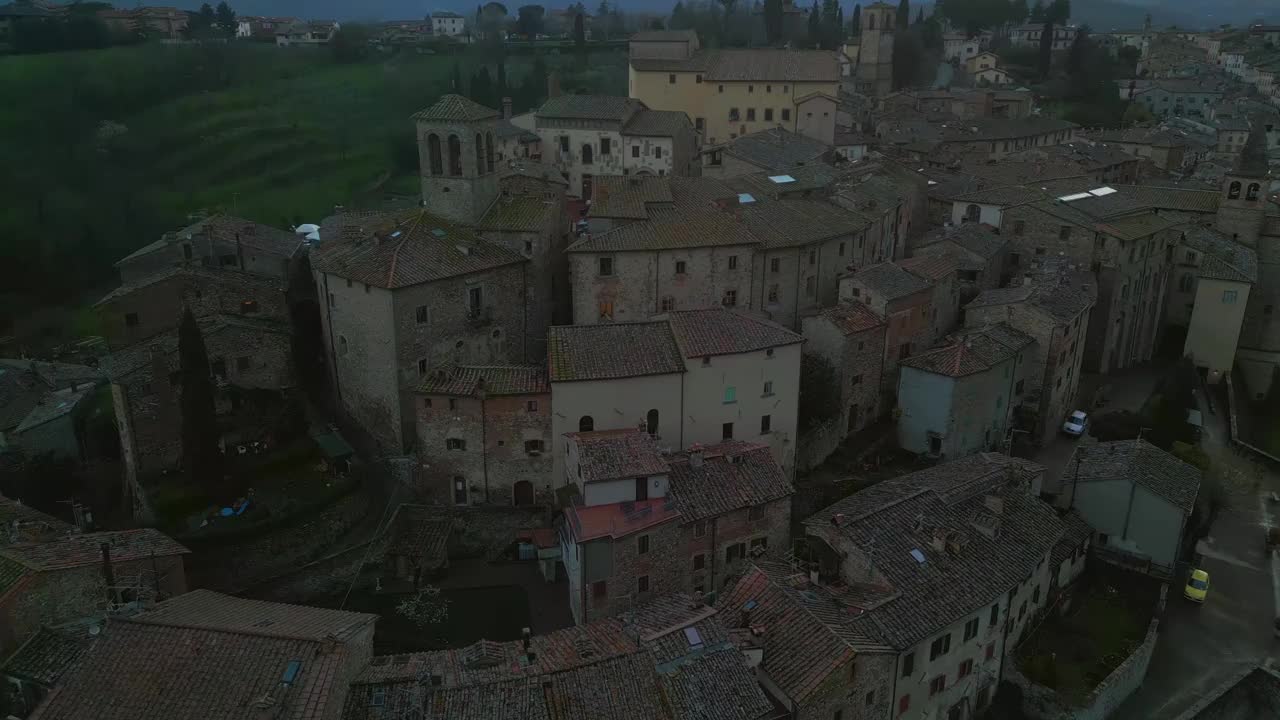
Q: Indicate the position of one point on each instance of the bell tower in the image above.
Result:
(1242, 202)
(456, 158)
(875, 51)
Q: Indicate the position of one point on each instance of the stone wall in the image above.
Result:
(712, 539)
(860, 692)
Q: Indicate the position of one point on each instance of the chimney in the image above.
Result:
(939, 540)
(108, 574)
(994, 503)
(553, 85)
(506, 108)
(695, 456)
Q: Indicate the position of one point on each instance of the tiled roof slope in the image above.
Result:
(760, 65)
(453, 107)
(209, 610)
(81, 550)
(776, 149)
(612, 350)
(233, 278)
(590, 107)
(421, 531)
(467, 380)
(406, 248)
(658, 123)
(890, 281)
(1233, 260)
(852, 317)
(719, 331)
(228, 229)
(31, 524)
(612, 454)
(1141, 462)
(48, 654)
(970, 353)
(731, 476)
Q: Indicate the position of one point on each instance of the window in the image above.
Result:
(680, 267)
(586, 424)
(1035, 595)
(706, 361)
(700, 528)
(586, 155)
(813, 257)
(995, 614)
(1229, 297)
(599, 589)
(721, 88)
(751, 114)
(841, 250)
(760, 544)
(671, 79)
(838, 715)
(635, 151)
(937, 685)
(904, 704)
(768, 114)
(856, 380)
(668, 304)
(1186, 282)
(1022, 610)
(455, 444)
(642, 545)
(642, 584)
(426, 403)
(733, 262)
(1064, 233)
(420, 315)
(1266, 310)
(766, 424)
(475, 300)
(422, 367)
(786, 114)
(871, 698)
(726, 431)
(1019, 227)
(730, 395)
(1252, 193)
(940, 646)
(699, 561)
(966, 669)
(773, 293)
(735, 552)
(131, 319)
(733, 114)
(606, 309)
(730, 298)
(971, 629)
(697, 79)
(1234, 191)
(606, 266)
(564, 143)
(455, 156)
(228, 260)
(991, 651)
(242, 364)
(972, 213)
(657, 153)
(1039, 251)
(908, 664)
(531, 406)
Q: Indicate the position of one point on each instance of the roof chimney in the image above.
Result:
(506, 108)
(695, 456)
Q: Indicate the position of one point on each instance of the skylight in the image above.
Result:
(1077, 196)
(782, 179)
(744, 198)
(438, 232)
(691, 634)
(919, 556)
(1099, 192)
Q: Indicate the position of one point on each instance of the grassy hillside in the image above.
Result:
(108, 149)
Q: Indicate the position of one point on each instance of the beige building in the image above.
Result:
(730, 93)
(1208, 295)
(702, 376)
(588, 136)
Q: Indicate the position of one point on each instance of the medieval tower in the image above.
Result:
(456, 158)
(875, 52)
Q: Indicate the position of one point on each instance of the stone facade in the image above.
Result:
(457, 163)
(155, 305)
(859, 689)
(855, 348)
(875, 51)
(718, 548)
(909, 320)
(608, 576)
(497, 444)
(217, 242)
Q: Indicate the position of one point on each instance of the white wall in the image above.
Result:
(991, 214)
(614, 404)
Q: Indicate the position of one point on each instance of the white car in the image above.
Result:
(1076, 424)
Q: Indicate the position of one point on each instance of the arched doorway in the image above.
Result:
(522, 492)
(651, 422)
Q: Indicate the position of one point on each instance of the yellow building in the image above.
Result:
(729, 93)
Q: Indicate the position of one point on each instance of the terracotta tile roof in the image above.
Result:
(227, 229)
(1225, 259)
(81, 550)
(193, 272)
(612, 350)
(1060, 299)
(121, 363)
(467, 380)
(1141, 462)
(619, 519)
(720, 331)
(422, 532)
(147, 671)
(776, 149)
(906, 514)
(590, 107)
(456, 108)
(971, 352)
(406, 248)
(708, 228)
(732, 476)
(933, 266)
(53, 406)
(852, 317)
(23, 523)
(760, 65)
(12, 572)
(520, 213)
(208, 610)
(890, 281)
(47, 654)
(978, 239)
(658, 123)
(626, 197)
(1076, 530)
(613, 454)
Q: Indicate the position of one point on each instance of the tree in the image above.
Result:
(200, 454)
(530, 21)
(1059, 11)
(680, 17)
(1137, 114)
(1018, 11)
(819, 391)
(1076, 56)
(830, 24)
(772, 21)
(904, 14)
(657, 24)
(427, 607)
(350, 43)
(502, 81)
(1045, 58)
(602, 19)
(1036, 15)
(482, 88)
(455, 82)
(206, 18)
(225, 18)
(579, 33)
(920, 16)
(908, 59)
(815, 25)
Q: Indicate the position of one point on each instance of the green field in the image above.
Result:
(104, 150)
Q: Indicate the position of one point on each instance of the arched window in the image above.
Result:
(1254, 189)
(455, 156)
(586, 154)
(973, 213)
(433, 154)
(488, 150)
(586, 424)
(479, 154)
(651, 422)
(1234, 192)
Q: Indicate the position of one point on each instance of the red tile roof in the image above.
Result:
(82, 550)
(613, 454)
(852, 317)
(214, 611)
(718, 331)
(732, 476)
(620, 519)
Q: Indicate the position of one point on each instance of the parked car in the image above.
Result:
(1076, 423)
(1197, 586)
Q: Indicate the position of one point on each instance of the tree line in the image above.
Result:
(80, 27)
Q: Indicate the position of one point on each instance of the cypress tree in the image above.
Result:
(200, 454)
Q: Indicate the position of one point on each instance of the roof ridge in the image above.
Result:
(248, 632)
(395, 254)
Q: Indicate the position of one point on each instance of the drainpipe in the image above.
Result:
(682, 376)
(799, 260)
(657, 282)
(1128, 511)
(484, 447)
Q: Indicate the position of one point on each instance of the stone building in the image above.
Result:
(774, 150)
(1164, 149)
(1213, 276)
(702, 376)
(44, 405)
(987, 138)
(217, 241)
(933, 639)
(245, 354)
(1054, 310)
(904, 300)
(958, 399)
(83, 575)
(154, 303)
(942, 272)
(646, 524)
(231, 658)
(484, 434)
(980, 253)
(587, 136)
(875, 50)
(730, 92)
(850, 336)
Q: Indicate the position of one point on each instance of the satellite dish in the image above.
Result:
(95, 630)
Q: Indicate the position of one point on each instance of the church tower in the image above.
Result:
(1242, 203)
(875, 53)
(456, 158)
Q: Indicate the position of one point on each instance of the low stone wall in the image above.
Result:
(481, 531)
(1235, 426)
(817, 444)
